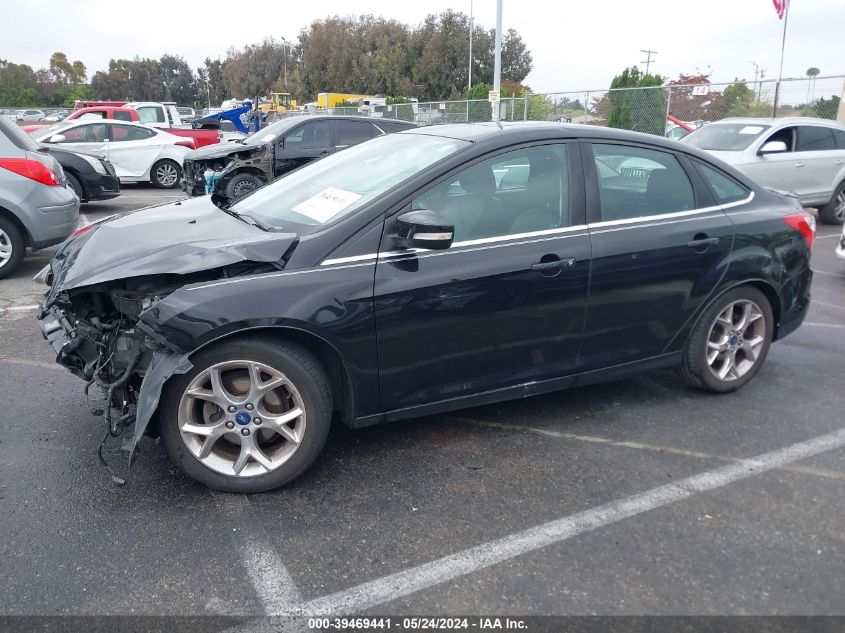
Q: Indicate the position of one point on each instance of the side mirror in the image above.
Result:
(773, 147)
(425, 229)
(57, 138)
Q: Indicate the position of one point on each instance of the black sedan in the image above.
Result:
(418, 273)
(91, 177)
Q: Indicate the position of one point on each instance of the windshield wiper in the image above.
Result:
(224, 204)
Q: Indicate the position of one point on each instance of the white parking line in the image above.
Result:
(826, 304)
(824, 237)
(824, 272)
(19, 308)
(816, 324)
(269, 577)
(394, 586)
(31, 363)
(83, 220)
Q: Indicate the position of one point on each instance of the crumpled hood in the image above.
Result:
(220, 150)
(179, 238)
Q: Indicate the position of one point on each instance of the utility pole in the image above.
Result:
(760, 85)
(469, 81)
(756, 72)
(285, 49)
(647, 61)
(497, 65)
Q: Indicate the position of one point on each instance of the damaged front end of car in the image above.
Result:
(209, 171)
(106, 284)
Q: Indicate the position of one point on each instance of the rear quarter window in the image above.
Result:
(724, 188)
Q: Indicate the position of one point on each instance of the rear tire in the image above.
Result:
(245, 444)
(12, 247)
(834, 211)
(74, 184)
(730, 341)
(166, 174)
(242, 184)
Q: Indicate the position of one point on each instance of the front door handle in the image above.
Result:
(553, 265)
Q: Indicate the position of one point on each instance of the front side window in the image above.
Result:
(353, 132)
(313, 135)
(725, 189)
(815, 138)
(324, 191)
(516, 192)
(636, 182)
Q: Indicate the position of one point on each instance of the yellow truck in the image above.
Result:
(331, 99)
(279, 102)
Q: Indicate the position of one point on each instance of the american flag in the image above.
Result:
(781, 7)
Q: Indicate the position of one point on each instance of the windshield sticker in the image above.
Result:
(751, 129)
(326, 204)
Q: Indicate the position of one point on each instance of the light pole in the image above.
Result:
(756, 72)
(469, 81)
(285, 49)
(497, 66)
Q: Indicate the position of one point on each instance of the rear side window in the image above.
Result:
(636, 182)
(839, 138)
(725, 189)
(129, 133)
(814, 138)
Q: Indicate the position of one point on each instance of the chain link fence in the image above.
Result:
(663, 110)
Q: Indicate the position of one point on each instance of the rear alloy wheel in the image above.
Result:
(729, 343)
(165, 174)
(242, 184)
(834, 211)
(251, 416)
(12, 247)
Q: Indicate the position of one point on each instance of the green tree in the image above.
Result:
(17, 85)
(738, 99)
(211, 86)
(478, 91)
(637, 102)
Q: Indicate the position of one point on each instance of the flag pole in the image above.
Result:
(780, 72)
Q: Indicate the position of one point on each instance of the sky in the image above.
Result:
(575, 45)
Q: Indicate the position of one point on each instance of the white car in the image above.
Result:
(138, 153)
(30, 115)
(802, 155)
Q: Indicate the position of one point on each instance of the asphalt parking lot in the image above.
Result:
(632, 497)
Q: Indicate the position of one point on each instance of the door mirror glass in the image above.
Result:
(773, 147)
(425, 229)
(57, 138)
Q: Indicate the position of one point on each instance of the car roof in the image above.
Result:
(786, 120)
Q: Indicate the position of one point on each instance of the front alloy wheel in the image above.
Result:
(251, 415)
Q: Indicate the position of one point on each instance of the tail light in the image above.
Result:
(81, 230)
(32, 169)
(805, 224)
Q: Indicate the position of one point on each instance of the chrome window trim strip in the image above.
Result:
(669, 216)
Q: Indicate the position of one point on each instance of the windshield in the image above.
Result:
(729, 137)
(267, 134)
(334, 187)
(48, 131)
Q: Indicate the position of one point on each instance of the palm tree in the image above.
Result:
(812, 73)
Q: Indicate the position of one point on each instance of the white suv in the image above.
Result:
(801, 155)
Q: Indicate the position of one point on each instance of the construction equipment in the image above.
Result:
(278, 102)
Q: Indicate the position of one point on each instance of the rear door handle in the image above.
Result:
(704, 241)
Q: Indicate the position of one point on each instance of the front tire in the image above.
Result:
(730, 341)
(242, 184)
(252, 415)
(12, 247)
(74, 184)
(834, 211)
(166, 174)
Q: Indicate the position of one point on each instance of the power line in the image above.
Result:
(647, 61)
